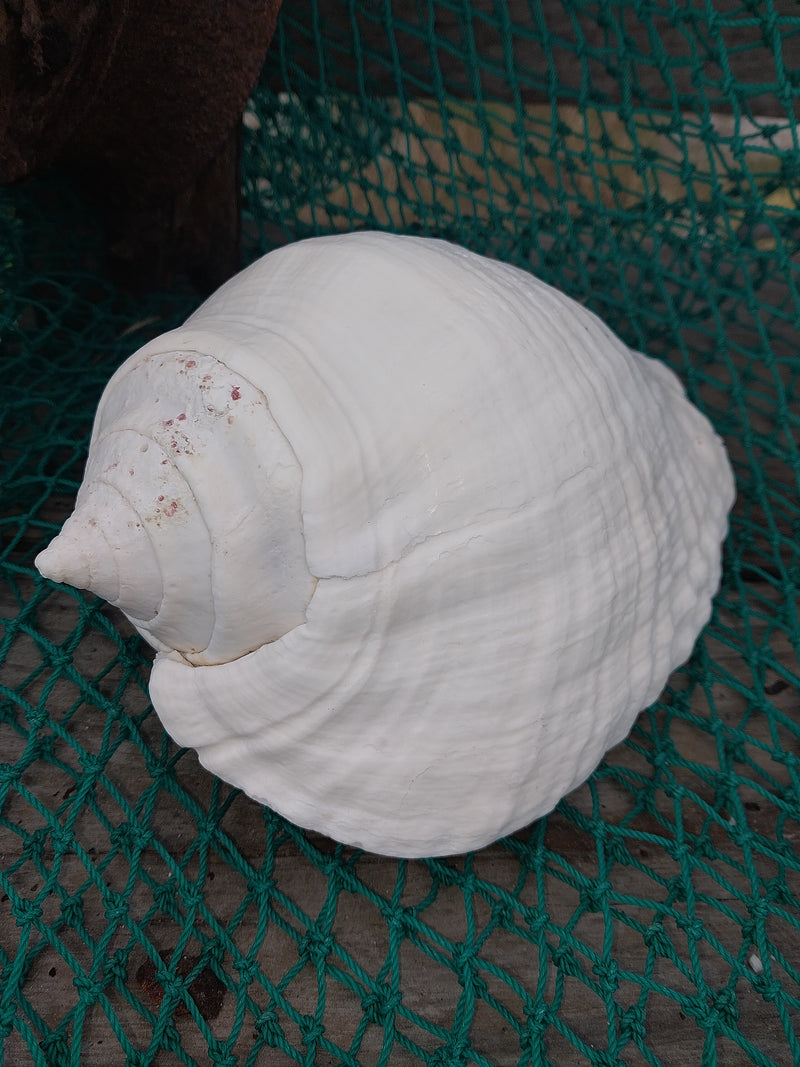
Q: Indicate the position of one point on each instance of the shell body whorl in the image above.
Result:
(415, 537)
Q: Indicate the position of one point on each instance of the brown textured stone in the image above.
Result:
(142, 100)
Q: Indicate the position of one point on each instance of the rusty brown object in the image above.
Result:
(142, 101)
(206, 990)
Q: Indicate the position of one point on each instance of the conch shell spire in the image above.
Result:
(104, 547)
(66, 560)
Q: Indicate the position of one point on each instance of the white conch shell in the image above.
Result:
(415, 537)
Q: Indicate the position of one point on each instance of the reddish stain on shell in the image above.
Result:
(166, 510)
(235, 394)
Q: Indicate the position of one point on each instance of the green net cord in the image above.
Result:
(643, 157)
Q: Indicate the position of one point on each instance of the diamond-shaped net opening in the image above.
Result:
(644, 158)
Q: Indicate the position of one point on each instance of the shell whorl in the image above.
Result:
(184, 454)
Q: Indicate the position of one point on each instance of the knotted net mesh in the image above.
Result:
(643, 157)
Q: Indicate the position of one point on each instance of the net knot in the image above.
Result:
(618, 851)
(59, 658)
(380, 1005)
(463, 955)
(35, 845)
(8, 774)
(402, 922)
(116, 967)
(221, 1056)
(537, 1018)
(657, 939)
(164, 898)
(261, 887)
(776, 889)
(758, 908)
(720, 1011)
(768, 988)
(311, 1030)
(37, 718)
(631, 1025)
(72, 911)
(537, 921)
(89, 990)
(129, 837)
(114, 905)
(54, 1046)
(693, 928)
(564, 958)
(268, 1026)
(26, 911)
(666, 755)
(130, 653)
(192, 896)
(502, 913)
(454, 1053)
(608, 975)
(248, 969)
(61, 838)
(593, 894)
(735, 749)
(724, 1001)
(315, 945)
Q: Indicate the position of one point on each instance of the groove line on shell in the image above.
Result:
(144, 527)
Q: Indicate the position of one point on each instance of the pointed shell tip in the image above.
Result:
(61, 562)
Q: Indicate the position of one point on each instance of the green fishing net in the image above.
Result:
(643, 157)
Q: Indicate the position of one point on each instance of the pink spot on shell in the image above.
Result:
(168, 422)
(161, 498)
(235, 394)
(191, 362)
(182, 416)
